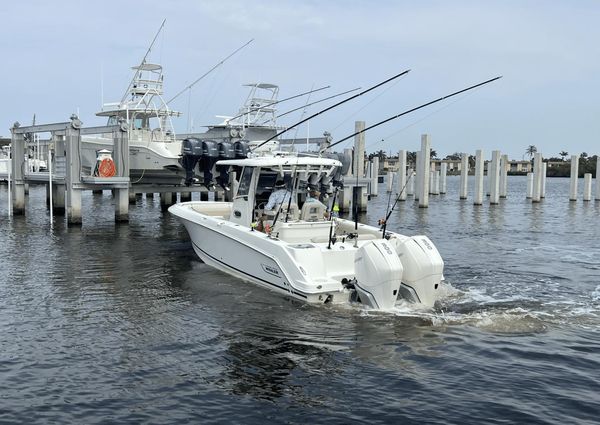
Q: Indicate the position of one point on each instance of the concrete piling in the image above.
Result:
(390, 181)
(598, 180)
(574, 177)
(544, 172)
(410, 186)
(493, 177)
(537, 178)
(478, 196)
(587, 187)
(423, 171)
(529, 193)
(435, 190)
(374, 176)
(443, 173)
(503, 176)
(464, 173)
(402, 186)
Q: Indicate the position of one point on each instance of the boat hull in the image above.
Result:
(154, 163)
(225, 252)
(300, 263)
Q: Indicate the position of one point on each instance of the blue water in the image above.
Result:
(108, 323)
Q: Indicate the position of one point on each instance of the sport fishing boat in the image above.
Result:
(301, 249)
(154, 151)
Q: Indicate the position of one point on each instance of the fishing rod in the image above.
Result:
(389, 213)
(317, 101)
(278, 101)
(331, 107)
(387, 208)
(208, 72)
(143, 61)
(412, 110)
(355, 194)
(331, 217)
(294, 184)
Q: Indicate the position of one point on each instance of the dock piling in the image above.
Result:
(529, 193)
(574, 177)
(443, 173)
(464, 173)
(503, 176)
(587, 187)
(423, 171)
(493, 178)
(537, 177)
(478, 197)
(402, 182)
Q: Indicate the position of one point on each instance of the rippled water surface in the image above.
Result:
(108, 323)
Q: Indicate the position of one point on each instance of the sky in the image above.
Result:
(66, 57)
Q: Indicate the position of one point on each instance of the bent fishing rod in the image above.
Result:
(409, 111)
(331, 107)
(208, 72)
(278, 101)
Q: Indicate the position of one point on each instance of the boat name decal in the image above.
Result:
(270, 269)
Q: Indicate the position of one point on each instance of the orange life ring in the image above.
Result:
(106, 168)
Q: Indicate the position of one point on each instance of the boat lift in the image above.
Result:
(65, 167)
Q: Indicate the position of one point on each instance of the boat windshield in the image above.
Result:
(245, 180)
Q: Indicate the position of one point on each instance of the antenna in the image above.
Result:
(207, 72)
(139, 70)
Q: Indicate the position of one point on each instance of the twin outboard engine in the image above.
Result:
(191, 151)
(241, 149)
(226, 151)
(199, 151)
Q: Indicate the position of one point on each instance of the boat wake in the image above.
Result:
(516, 314)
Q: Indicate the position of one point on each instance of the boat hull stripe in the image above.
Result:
(247, 274)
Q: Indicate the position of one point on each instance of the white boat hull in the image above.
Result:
(299, 263)
(149, 163)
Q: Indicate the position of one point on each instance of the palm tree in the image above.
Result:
(563, 154)
(531, 150)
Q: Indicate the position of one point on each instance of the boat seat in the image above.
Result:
(312, 211)
(293, 213)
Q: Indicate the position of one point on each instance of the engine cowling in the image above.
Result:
(423, 267)
(378, 274)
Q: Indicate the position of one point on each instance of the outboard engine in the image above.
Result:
(341, 171)
(423, 268)
(210, 155)
(241, 149)
(378, 274)
(226, 151)
(191, 151)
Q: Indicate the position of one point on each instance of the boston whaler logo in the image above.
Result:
(270, 269)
